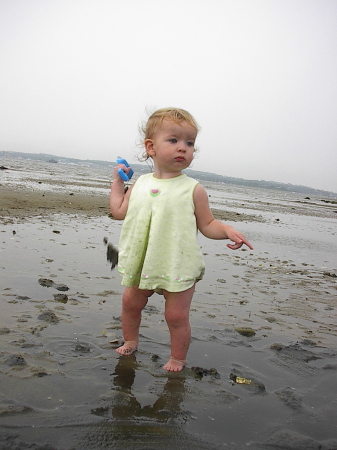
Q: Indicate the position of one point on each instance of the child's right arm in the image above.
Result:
(119, 199)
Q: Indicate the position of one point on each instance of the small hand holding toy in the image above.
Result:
(125, 176)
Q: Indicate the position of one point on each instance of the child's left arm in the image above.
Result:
(212, 228)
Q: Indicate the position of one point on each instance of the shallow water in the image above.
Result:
(74, 391)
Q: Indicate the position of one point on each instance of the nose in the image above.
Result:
(182, 146)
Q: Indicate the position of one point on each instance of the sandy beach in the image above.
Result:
(262, 366)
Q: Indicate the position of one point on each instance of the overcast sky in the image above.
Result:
(260, 77)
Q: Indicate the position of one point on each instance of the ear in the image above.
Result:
(149, 148)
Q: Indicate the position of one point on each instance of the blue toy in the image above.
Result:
(121, 173)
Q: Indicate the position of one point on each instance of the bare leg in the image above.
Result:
(134, 301)
(177, 312)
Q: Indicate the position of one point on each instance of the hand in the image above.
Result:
(116, 169)
(238, 238)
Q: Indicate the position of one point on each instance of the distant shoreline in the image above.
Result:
(204, 176)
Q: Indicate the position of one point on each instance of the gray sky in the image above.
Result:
(260, 77)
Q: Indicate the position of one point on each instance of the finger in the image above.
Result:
(245, 241)
(235, 246)
(249, 245)
(123, 167)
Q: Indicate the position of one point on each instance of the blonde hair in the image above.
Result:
(177, 115)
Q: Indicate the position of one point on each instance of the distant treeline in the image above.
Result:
(205, 176)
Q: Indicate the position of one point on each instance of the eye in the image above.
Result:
(173, 140)
(190, 144)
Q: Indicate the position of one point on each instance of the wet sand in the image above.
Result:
(262, 368)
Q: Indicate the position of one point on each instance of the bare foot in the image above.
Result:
(174, 364)
(127, 348)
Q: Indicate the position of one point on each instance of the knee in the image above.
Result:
(134, 300)
(130, 304)
(176, 319)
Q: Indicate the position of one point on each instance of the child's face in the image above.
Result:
(172, 147)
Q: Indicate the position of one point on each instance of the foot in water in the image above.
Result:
(127, 348)
(174, 364)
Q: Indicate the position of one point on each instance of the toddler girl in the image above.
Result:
(158, 249)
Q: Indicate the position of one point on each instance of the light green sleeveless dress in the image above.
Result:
(158, 246)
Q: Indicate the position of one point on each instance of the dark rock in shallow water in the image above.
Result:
(330, 274)
(82, 348)
(15, 360)
(200, 372)
(41, 374)
(63, 298)
(4, 330)
(46, 282)
(50, 283)
(48, 316)
(61, 287)
(245, 331)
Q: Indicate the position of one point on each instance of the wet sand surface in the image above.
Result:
(262, 366)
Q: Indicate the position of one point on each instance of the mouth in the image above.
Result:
(180, 159)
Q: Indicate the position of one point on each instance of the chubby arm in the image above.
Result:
(119, 199)
(212, 228)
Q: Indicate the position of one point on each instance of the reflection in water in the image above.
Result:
(126, 405)
(160, 426)
(133, 427)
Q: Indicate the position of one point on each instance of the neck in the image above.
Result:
(165, 175)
